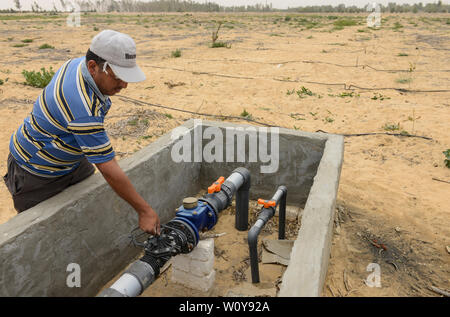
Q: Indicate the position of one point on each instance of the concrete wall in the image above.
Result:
(299, 157)
(305, 275)
(89, 224)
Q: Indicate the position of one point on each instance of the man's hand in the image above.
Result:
(121, 184)
(149, 222)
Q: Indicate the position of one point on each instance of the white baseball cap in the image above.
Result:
(119, 51)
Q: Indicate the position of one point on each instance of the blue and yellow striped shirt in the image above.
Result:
(65, 125)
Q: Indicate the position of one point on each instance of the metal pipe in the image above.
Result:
(265, 215)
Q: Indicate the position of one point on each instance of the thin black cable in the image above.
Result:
(123, 98)
(304, 81)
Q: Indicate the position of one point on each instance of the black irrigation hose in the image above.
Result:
(349, 87)
(319, 62)
(139, 102)
(385, 133)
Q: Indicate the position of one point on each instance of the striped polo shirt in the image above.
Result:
(66, 124)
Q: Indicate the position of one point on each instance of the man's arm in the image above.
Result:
(119, 181)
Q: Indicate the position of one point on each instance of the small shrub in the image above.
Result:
(397, 26)
(176, 53)
(344, 22)
(45, 46)
(220, 44)
(447, 158)
(20, 45)
(391, 126)
(1, 82)
(27, 41)
(245, 114)
(402, 54)
(38, 79)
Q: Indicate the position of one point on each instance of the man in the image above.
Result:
(64, 135)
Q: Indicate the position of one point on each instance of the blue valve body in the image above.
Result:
(199, 218)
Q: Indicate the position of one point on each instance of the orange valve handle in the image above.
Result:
(215, 187)
(267, 203)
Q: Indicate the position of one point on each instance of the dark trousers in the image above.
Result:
(28, 190)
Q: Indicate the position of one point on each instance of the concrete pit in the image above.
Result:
(89, 225)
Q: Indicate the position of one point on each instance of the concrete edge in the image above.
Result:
(306, 273)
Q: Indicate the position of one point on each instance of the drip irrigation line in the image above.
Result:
(320, 62)
(375, 69)
(349, 87)
(139, 102)
(378, 133)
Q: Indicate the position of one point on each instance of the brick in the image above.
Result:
(189, 280)
(203, 251)
(182, 262)
(201, 268)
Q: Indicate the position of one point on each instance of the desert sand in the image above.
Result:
(294, 71)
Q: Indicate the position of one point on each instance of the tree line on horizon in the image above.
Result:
(193, 6)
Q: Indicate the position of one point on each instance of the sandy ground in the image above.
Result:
(392, 210)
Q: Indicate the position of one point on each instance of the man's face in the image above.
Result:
(107, 82)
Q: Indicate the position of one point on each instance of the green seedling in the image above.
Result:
(290, 92)
(295, 116)
(391, 126)
(303, 92)
(245, 114)
(404, 80)
(378, 96)
(447, 158)
(176, 53)
(133, 122)
(413, 119)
